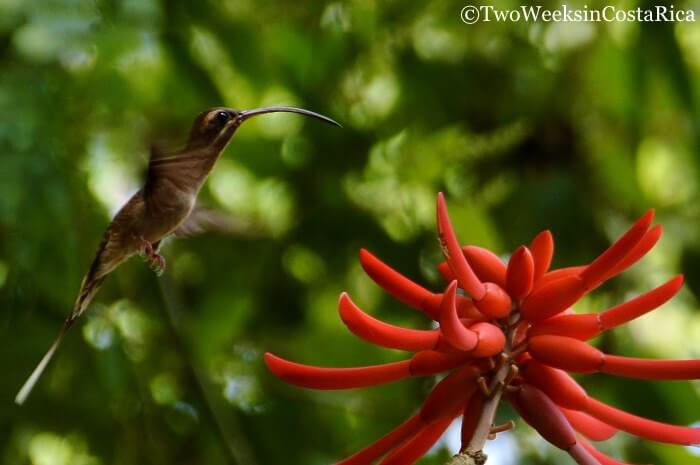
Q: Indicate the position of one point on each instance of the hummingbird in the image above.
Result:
(160, 208)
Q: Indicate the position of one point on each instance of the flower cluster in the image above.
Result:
(506, 331)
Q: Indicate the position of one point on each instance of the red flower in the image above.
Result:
(513, 337)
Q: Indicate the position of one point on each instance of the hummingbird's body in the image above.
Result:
(158, 209)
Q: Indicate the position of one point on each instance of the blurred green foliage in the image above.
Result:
(573, 127)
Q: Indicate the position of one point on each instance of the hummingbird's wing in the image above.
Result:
(202, 219)
(179, 166)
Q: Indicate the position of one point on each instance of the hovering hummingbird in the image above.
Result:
(159, 208)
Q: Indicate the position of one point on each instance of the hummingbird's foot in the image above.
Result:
(155, 260)
(157, 263)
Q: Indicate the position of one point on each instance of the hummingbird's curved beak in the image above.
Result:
(244, 115)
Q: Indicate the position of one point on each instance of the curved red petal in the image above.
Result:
(393, 282)
(552, 298)
(650, 369)
(467, 309)
(557, 274)
(557, 384)
(450, 394)
(590, 427)
(453, 253)
(540, 412)
(451, 327)
(488, 266)
(599, 456)
(384, 334)
(542, 248)
(388, 442)
(520, 274)
(414, 448)
(640, 305)
(471, 417)
(582, 326)
(566, 353)
(601, 266)
(643, 427)
(431, 362)
(444, 269)
(336, 378)
(647, 242)
(582, 456)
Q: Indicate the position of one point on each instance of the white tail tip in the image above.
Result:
(34, 377)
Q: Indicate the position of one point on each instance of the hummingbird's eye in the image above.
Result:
(222, 117)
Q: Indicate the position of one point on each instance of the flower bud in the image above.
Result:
(543, 414)
(557, 384)
(542, 249)
(520, 274)
(495, 303)
(491, 339)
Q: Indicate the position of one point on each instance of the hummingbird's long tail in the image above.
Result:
(87, 292)
(34, 377)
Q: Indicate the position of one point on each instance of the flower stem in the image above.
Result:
(473, 453)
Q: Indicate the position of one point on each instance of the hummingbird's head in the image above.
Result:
(212, 125)
(215, 127)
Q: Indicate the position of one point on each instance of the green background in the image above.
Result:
(577, 128)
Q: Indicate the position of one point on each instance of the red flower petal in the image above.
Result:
(590, 427)
(557, 384)
(520, 273)
(649, 240)
(589, 325)
(640, 305)
(396, 284)
(384, 334)
(555, 275)
(467, 309)
(540, 412)
(450, 394)
(487, 266)
(542, 248)
(377, 449)
(650, 369)
(599, 456)
(431, 362)
(566, 353)
(451, 326)
(577, 356)
(414, 448)
(601, 266)
(444, 269)
(471, 417)
(453, 253)
(336, 378)
(552, 298)
(643, 427)
(582, 326)
(581, 455)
